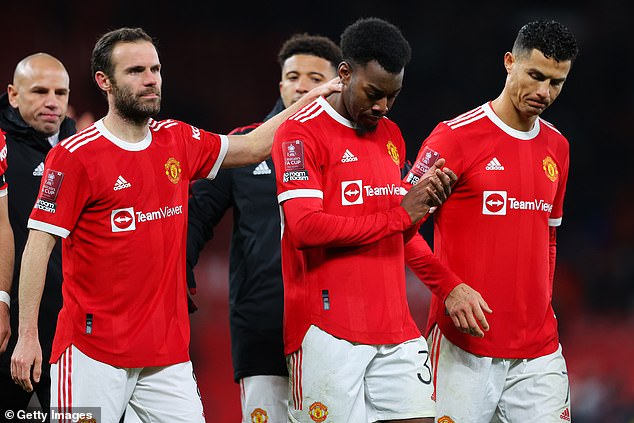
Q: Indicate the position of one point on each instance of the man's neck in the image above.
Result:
(504, 109)
(125, 129)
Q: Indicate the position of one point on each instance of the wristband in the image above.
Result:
(5, 298)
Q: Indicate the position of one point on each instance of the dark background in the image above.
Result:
(220, 71)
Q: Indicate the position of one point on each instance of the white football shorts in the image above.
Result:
(166, 394)
(264, 398)
(475, 389)
(339, 381)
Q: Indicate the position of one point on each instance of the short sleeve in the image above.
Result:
(64, 191)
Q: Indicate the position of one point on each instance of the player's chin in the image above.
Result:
(367, 124)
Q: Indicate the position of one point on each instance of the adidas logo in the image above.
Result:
(121, 184)
(565, 415)
(348, 157)
(494, 164)
(262, 169)
(39, 170)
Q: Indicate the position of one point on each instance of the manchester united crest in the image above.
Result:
(318, 412)
(173, 170)
(445, 419)
(550, 168)
(259, 416)
(393, 152)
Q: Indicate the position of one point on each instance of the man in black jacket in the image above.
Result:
(33, 117)
(256, 295)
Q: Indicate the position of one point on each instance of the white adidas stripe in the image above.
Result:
(314, 115)
(468, 121)
(70, 141)
(305, 111)
(464, 116)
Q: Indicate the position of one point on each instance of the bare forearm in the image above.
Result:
(32, 275)
(256, 145)
(7, 255)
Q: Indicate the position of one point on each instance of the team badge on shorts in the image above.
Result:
(259, 416)
(445, 419)
(318, 412)
(393, 152)
(173, 170)
(550, 168)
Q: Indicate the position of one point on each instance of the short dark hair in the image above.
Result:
(101, 59)
(314, 45)
(550, 37)
(370, 39)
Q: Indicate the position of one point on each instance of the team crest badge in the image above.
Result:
(445, 419)
(259, 416)
(173, 170)
(393, 152)
(318, 412)
(550, 168)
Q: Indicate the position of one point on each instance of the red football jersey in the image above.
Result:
(122, 211)
(493, 231)
(342, 241)
(3, 165)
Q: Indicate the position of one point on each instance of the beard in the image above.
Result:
(131, 108)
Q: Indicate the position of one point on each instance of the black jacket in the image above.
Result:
(256, 294)
(26, 153)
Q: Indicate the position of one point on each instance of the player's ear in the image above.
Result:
(12, 93)
(345, 72)
(103, 81)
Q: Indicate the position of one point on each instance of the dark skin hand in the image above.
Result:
(431, 191)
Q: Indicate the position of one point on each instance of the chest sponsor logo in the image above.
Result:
(51, 185)
(393, 152)
(123, 220)
(494, 202)
(498, 202)
(354, 192)
(173, 170)
(424, 162)
(293, 152)
(351, 193)
(127, 218)
(550, 168)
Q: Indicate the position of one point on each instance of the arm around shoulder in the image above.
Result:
(255, 146)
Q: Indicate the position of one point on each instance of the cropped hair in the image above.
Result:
(101, 59)
(370, 39)
(550, 37)
(314, 45)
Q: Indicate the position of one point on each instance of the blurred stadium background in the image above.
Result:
(220, 71)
